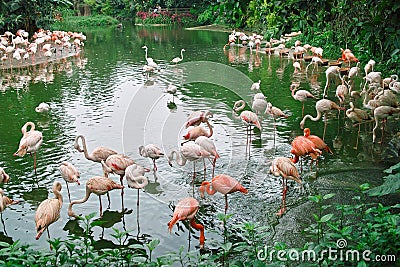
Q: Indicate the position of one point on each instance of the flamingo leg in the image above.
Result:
(34, 162)
(302, 111)
(4, 226)
(155, 166)
(213, 164)
(204, 168)
(226, 203)
(325, 121)
(199, 227)
(358, 134)
(101, 207)
(48, 233)
(109, 202)
(137, 203)
(69, 196)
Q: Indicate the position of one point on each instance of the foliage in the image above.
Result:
(207, 16)
(391, 184)
(165, 17)
(72, 23)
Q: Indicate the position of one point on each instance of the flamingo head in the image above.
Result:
(307, 132)
(186, 136)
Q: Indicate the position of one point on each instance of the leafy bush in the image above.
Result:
(71, 23)
(207, 17)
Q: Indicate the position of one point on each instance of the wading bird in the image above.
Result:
(30, 142)
(197, 117)
(98, 185)
(208, 145)
(4, 177)
(4, 203)
(186, 209)
(42, 107)
(358, 116)
(300, 95)
(135, 178)
(224, 184)
(178, 59)
(381, 113)
(48, 211)
(98, 154)
(197, 131)
(318, 142)
(285, 168)
(151, 151)
(70, 175)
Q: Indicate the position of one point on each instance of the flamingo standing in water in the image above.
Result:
(4, 203)
(98, 185)
(256, 85)
(70, 174)
(48, 211)
(318, 142)
(358, 116)
(188, 152)
(117, 164)
(381, 113)
(150, 61)
(4, 177)
(151, 151)
(331, 73)
(135, 178)
(42, 107)
(30, 142)
(224, 184)
(300, 95)
(178, 59)
(249, 118)
(98, 154)
(285, 168)
(275, 113)
(322, 106)
(186, 209)
(197, 117)
(197, 131)
(302, 146)
(208, 145)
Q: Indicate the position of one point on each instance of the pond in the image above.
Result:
(104, 95)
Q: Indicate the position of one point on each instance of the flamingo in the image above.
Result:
(197, 131)
(4, 177)
(284, 167)
(135, 178)
(358, 116)
(224, 184)
(297, 67)
(4, 203)
(188, 152)
(30, 142)
(178, 59)
(98, 154)
(48, 211)
(331, 73)
(98, 185)
(249, 118)
(381, 113)
(394, 85)
(151, 151)
(321, 106)
(42, 107)
(197, 117)
(302, 146)
(256, 85)
(171, 89)
(314, 61)
(275, 113)
(116, 163)
(318, 142)
(300, 95)
(369, 66)
(70, 175)
(186, 209)
(259, 104)
(208, 144)
(342, 90)
(150, 61)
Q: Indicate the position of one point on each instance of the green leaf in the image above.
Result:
(328, 196)
(326, 217)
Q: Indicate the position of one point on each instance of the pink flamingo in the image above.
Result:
(224, 184)
(98, 185)
(98, 154)
(151, 151)
(322, 106)
(116, 163)
(4, 203)
(70, 175)
(188, 152)
(186, 209)
(275, 113)
(4, 177)
(284, 167)
(331, 73)
(198, 117)
(358, 116)
(300, 95)
(135, 178)
(381, 113)
(197, 131)
(249, 118)
(302, 146)
(48, 211)
(208, 144)
(318, 142)
(30, 142)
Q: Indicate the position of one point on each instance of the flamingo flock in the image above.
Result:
(198, 144)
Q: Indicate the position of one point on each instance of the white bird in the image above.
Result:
(150, 61)
(151, 151)
(331, 73)
(135, 178)
(42, 107)
(178, 59)
(70, 175)
(256, 85)
(381, 113)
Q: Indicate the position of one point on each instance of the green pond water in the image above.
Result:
(104, 95)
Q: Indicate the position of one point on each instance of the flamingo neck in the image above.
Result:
(209, 127)
(79, 201)
(85, 151)
(181, 54)
(138, 182)
(24, 129)
(181, 161)
(205, 187)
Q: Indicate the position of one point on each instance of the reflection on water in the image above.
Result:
(104, 95)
